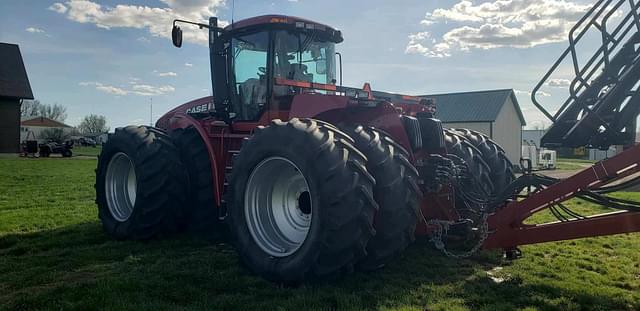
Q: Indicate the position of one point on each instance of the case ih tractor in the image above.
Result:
(314, 179)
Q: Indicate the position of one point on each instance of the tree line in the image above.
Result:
(90, 124)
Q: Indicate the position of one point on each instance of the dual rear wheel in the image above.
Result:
(323, 203)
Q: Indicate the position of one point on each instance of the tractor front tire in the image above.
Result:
(200, 210)
(139, 184)
(301, 202)
(396, 192)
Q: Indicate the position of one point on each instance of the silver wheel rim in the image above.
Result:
(120, 186)
(277, 206)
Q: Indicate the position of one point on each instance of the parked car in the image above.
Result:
(86, 141)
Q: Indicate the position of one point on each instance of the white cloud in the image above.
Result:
(136, 89)
(34, 30)
(437, 50)
(558, 83)
(143, 40)
(188, 64)
(58, 7)
(167, 74)
(148, 90)
(156, 20)
(495, 24)
(106, 88)
(539, 93)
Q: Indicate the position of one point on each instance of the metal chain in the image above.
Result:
(442, 226)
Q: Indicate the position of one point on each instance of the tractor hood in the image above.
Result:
(200, 105)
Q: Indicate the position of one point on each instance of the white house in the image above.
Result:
(37, 125)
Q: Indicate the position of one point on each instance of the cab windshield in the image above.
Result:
(304, 57)
(296, 56)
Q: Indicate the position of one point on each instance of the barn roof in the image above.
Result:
(477, 106)
(14, 82)
(42, 122)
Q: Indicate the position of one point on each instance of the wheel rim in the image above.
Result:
(120, 186)
(278, 206)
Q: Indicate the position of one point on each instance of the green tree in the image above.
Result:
(54, 112)
(93, 124)
(34, 108)
(30, 108)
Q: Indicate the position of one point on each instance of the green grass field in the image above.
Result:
(572, 164)
(86, 151)
(54, 255)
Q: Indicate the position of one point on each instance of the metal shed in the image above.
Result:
(495, 113)
(14, 86)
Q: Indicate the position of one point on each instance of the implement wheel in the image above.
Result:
(301, 204)
(139, 184)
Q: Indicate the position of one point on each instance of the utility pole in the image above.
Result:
(151, 111)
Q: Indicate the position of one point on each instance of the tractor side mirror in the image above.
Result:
(176, 36)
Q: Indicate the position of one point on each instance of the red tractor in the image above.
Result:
(315, 179)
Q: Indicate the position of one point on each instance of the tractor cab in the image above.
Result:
(256, 63)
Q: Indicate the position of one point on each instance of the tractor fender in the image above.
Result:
(311, 105)
(183, 120)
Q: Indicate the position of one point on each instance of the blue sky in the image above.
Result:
(114, 57)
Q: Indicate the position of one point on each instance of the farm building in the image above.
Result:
(532, 137)
(14, 87)
(495, 113)
(39, 125)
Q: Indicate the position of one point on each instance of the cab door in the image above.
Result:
(251, 83)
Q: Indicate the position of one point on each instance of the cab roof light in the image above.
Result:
(278, 20)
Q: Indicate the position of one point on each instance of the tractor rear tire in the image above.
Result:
(396, 192)
(460, 146)
(501, 169)
(139, 184)
(301, 202)
(200, 210)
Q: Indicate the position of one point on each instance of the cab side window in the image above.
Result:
(250, 68)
